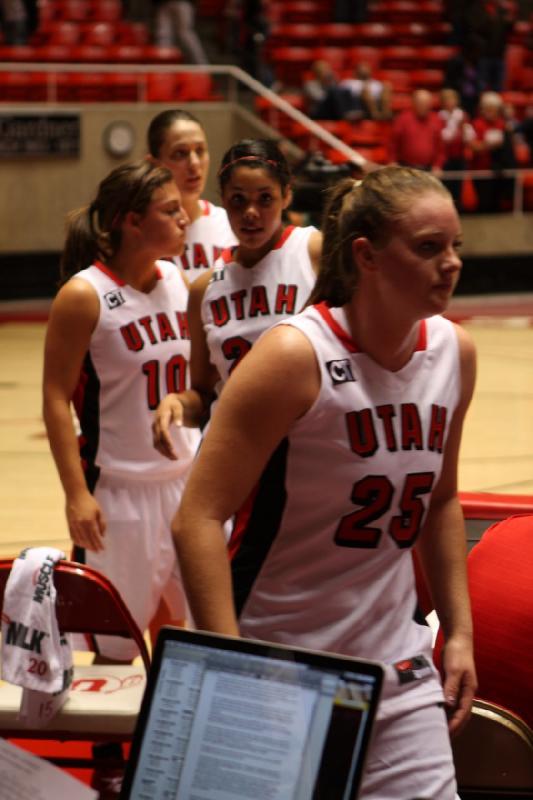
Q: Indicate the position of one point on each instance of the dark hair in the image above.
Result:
(94, 231)
(160, 124)
(369, 208)
(256, 154)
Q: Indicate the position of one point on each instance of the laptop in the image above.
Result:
(225, 718)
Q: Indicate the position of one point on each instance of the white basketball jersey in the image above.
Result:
(139, 351)
(205, 239)
(324, 560)
(240, 303)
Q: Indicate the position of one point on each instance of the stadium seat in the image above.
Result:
(101, 34)
(156, 54)
(374, 34)
(432, 79)
(371, 55)
(337, 34)
(106, 10)
(104, 700)
(122, 87)
(436, 56)
(82, 87)
(65, 32)
(91, 54)
(73, 10)
(399, 79)
(128, 32)
(23, 87)
(161, 87)
(194, 86)
(290, 62)
(303, 11)
(335, 56)
(290, 35)
(400, 57)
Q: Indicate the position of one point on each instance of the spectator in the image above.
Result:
(367, 93)
(463, 74)
(492, 149)
(174, 23)
(19, 19)
(524, 130)
(324, 96)
(416, 139)
(457, 133)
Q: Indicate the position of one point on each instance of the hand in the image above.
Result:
(460, 681)
(169, 411)
(86, 522)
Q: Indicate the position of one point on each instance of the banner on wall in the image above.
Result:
(35, 135)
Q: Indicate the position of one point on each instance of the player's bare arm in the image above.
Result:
(442, 551)
(280, 373)
(73, 317)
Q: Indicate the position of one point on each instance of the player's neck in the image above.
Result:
(387, 339)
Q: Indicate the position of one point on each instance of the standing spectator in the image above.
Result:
(463, 74)
(14, 18)
(457, 133)
(492, 149)
(324, 97)
(368, 93)
(174, 23)
(416, 139)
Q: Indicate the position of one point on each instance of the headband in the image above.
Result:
(247, 158)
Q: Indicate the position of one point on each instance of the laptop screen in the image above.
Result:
(226, 718)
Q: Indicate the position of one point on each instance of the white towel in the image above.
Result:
(34, 654)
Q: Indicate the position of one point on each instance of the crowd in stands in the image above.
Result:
(470, 107)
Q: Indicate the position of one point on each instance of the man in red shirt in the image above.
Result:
(416, 139)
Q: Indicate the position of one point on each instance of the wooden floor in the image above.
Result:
(497, 452)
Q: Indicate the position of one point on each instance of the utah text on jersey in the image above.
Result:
(155, 328)
(254, 302)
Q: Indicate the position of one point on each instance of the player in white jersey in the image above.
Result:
(362, 398)
(117, 340)
(268, 276)
(176, 140)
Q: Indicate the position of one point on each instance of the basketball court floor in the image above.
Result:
(496, 456)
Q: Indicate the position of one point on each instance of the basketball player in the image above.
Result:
(117, 339)
(269, 275)
(362, 396)
(176, 140)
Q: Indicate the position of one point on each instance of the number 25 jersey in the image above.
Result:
(352, 491)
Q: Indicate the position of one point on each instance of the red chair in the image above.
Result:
(156, 54)
(436, 56)
(106, 10)
(161, 87)
(335, 56)
(400, 57)
(122, 88)
(375, 34)
(337, 34)
(23, 87)
(91, 54)
(64, 32)
(371, 55)
(127, 32)
(290, 62)
(303, 11)
(100, 34)
(431, 79)
(126, 54)
(81, 87)
(289, 35)
(194, 86)
(104, 700)
(399, 79)
(19, 53)
(57, 53)
(75, 10)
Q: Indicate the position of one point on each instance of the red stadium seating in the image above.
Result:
(101, 34)
(74, 10)
(400, 57)
(23, 87)
(106, 10)
(432, 79)
(64, 32)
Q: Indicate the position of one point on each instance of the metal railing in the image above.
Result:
(237, 82)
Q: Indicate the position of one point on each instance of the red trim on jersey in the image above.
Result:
(348, 342)
(422, 342)
(284, 236)
(206, 210)
(242, 518)
(338, 330)
(227, 254)
(116, 279)
(109, 273)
